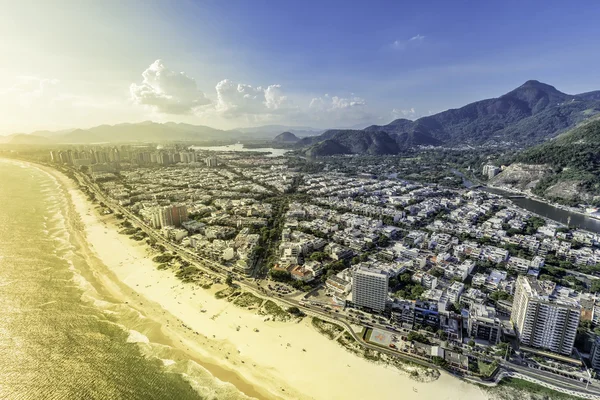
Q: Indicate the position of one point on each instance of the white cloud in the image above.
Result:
(235, 103)
(328, 103)
(409, 113)
(239, 100)
(418, 38)
(339, 111)
(29, 90)
(167, 91)
(403, 44)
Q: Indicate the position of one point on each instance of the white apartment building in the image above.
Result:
(369, 288)
(544, 316)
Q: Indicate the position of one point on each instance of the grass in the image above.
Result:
(326, 328)
(347, 340)
(486, 369)
(187, 274)
(221, 294)
(534, 388)
(270, 308)
(248, 300)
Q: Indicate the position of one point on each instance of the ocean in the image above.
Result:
(62, 335)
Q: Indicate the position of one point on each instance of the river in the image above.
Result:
(544, 209)
(240, 148)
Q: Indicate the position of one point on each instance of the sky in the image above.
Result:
(228, 63)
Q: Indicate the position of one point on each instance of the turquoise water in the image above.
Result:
(61, 335)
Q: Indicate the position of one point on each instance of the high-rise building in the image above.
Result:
(211, 161)
(545, 316)
(171, 216)
(595, 354)
(369, 288)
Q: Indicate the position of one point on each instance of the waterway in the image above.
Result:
(240, 148)
(541, 208)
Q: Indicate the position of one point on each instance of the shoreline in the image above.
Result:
(230, 348)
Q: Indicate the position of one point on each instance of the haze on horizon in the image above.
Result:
(233, 64)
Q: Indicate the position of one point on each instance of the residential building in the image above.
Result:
(545, 316)
(172, 215)
(369, 288)
(483, 323)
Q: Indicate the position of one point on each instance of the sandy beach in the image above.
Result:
(288, 360)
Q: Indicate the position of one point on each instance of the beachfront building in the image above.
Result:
(595, 354)
(169, 216)
(369, 288)
(483, 324)
(545, 316)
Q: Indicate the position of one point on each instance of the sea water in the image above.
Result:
(61, 335)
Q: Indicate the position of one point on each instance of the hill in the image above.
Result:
(122, 133)
(286, 137)
(526, 115)
(348, 141)
(571, 163)
(22, 138)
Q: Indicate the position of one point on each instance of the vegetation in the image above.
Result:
(573, 157)
(248, 300)
(186, 274)
(163, 258)
(408, 289)
(486, 369)
(280, 276)
(414, 336)
(529, 387)
(326, 328)
(270, 308)
(295, 311)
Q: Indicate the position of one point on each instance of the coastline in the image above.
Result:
(270, 363)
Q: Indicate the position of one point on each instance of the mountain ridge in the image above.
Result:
(526, 115)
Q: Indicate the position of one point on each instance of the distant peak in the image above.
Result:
(537, 84)
(533, 82)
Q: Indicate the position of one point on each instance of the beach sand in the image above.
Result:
(270, 363)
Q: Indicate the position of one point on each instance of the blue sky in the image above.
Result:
(317, 63)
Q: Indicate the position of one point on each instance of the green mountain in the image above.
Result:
(530, 114)
(286, 137)
(527, 115)
(571, 162)
(348, 141)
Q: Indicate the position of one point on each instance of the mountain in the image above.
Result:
(527, 115)
(22, 138)
(570, 166)
(286, 137)
(348, 141)
(130, 132)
